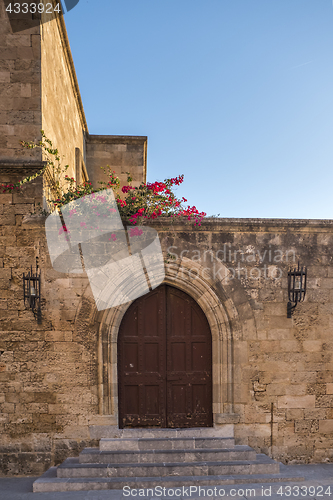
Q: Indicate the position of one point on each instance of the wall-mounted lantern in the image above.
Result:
(31, 290)
(296, 288)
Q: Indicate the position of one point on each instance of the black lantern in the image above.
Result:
(296, 288)
(31, 290)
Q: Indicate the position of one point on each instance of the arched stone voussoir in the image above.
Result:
(216, 302)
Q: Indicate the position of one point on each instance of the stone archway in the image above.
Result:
(224, 324)
(165, 362)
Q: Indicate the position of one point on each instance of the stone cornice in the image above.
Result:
(117, 139)
(15, 167)
(245, 225)
(225, 225)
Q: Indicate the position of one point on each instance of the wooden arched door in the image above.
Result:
(165, 362)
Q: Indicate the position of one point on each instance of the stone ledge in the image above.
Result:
(117, 139)
(26, 167)
(226, 225)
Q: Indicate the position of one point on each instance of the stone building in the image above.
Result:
(269, 378)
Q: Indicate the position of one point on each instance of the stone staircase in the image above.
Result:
(141, 458)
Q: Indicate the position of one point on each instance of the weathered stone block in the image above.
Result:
(321, 295)
(317, 413)
(296, 401)
(329, 388)
(5, 273)
(296, 390)
(279, 334)
(23, 209)
(324, 401)
(7, 219)
(312, 345)
(303, 377)
(317, 389)
(326, 426)
(306, 426)
(6, 198)
(294, 414)
(7, 408)
(289, 345)
(59, 336)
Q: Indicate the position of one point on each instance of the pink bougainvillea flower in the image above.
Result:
(126, 189)
(135, 231)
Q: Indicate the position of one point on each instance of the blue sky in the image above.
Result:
(235, 94)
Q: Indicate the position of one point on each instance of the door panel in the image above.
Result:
(152, 400)
(143, 326)
(165, 362)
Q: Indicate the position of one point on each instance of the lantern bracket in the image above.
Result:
(32, 292)
(296, 288)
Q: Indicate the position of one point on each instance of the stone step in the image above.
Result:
(147, 458)
(105, 431)
(49, 482)
(94, 455)
(164, 443)
(71, 468)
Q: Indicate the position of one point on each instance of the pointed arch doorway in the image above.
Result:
(165, 362)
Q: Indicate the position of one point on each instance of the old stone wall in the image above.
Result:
(278, 390)
(282, 384)
(63, 118)
(122, 153)
(20, 93)
(46, 371)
